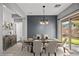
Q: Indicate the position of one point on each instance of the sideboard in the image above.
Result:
(9, 41)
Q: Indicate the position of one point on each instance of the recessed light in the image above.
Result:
(4, 6)
(57, 5)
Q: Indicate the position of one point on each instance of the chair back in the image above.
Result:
(52, 46)
(37, 44)
(64, 42)
(30, 39)
(38, 36)
(46, 36)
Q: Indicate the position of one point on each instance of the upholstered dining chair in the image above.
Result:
(51, 47)
(46, 36)
(23, 45)
(38, 36)
(26, 45)
(63, 44)
(37, 47)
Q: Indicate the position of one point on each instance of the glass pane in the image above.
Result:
(65, 32)
(65, 29)
(75, 34)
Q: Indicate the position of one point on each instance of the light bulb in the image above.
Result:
(46, 22)
(41, 23)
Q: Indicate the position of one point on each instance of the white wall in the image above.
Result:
(59, 29)
(1, 20)
(25, 27)
(7, 17)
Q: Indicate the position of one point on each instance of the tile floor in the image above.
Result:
(16, 51)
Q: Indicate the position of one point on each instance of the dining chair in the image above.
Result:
(51, 47)
(38, 36)
(63, 44)
(37, 47)
(30, 39)
(25, 44)
(46, 36)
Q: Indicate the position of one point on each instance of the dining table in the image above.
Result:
(30, 42)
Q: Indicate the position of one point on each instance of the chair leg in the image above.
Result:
(55, 53)
(48, 54)
(22, 48)
(34, 54)
(31, 49)
(40, 54)
(64, 49)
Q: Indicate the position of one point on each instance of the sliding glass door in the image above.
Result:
(65, 31)
(70, 30)
(75, 33)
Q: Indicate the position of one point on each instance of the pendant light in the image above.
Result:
(44, 21)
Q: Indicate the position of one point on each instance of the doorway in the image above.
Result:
(65, 32)
(19, 30)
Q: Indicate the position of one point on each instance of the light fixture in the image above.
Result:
(44, 21)
(57, 5)
(41, 22)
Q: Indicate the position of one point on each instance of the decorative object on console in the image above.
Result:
(8, 26)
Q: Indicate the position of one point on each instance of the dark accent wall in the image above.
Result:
(34, 26)
(73, 7)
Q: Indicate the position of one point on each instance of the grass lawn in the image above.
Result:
(74, 41)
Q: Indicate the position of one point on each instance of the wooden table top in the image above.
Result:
(44, 41)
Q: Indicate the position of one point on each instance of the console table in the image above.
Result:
(8, 41)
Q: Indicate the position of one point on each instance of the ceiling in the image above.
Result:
(37, 9)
